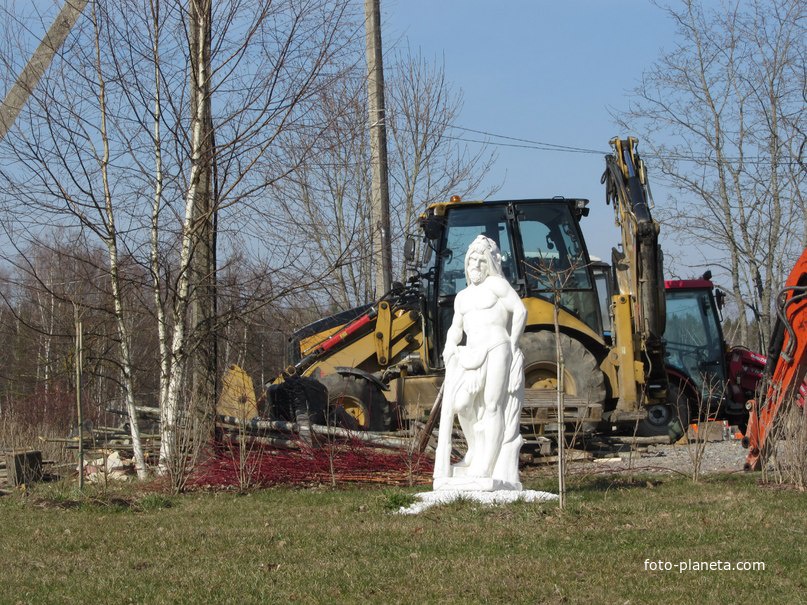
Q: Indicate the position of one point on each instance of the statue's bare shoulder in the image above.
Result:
(503, 290)
(499, 285)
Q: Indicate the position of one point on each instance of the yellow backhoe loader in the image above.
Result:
(378, 366)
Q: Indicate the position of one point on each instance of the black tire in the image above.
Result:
(670, 419)
(582, 375)
(356, 403)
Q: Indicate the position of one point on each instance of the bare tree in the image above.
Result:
(113, 142)
(723, 113)
(110, 237)
(327, 202)
(330, 198)
(266, 62)
(429, 165)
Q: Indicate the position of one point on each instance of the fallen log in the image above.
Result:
(571, 456)
(258, 425)
(148, 411)
(298, 428)
(629, 440)
(363, 436)
(277, 442)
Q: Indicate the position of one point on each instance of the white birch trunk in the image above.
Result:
(117, 294)
(178, 354)
(126, 360)
(162, 329)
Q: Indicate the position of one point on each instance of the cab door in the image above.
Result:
(463, 225)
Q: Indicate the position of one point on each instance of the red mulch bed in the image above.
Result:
(345, 462)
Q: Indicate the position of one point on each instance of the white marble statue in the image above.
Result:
(484, 383)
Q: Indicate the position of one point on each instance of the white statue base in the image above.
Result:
(426, 500)
(474, 484)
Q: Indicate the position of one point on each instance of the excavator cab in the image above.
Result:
(695, 347)
(542, 248)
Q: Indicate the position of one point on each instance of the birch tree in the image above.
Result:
(110, 237)
(111, 142)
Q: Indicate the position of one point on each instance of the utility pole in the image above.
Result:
(39, 62)
(379, 193)
(203, 263)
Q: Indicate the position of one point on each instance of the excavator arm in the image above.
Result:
(786, 367)
(638, 305)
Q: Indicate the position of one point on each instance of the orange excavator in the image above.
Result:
(785, 368)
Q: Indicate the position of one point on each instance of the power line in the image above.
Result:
(521, 143)
(528, 143)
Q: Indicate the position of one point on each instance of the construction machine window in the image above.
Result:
(462, 229)
(556, 260)
(693, 340)
(463, 225)
(602, 282)
(552, 248)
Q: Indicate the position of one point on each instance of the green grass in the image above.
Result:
(346, 546)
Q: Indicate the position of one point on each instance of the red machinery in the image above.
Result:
(716, 381)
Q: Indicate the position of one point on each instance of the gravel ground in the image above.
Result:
(716, 457)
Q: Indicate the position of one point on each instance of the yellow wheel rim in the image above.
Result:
(353, 407)
(544, 375)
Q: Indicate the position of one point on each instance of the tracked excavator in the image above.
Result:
(379, 366)
(784, 379)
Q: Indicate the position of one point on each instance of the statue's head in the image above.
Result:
(482, 259)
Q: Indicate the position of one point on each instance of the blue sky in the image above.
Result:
(542, 71)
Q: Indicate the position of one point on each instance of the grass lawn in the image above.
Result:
(344, 545)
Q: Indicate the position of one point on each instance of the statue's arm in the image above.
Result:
(516, 307)
(519, 319)
(513, 304)
(454, 335)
